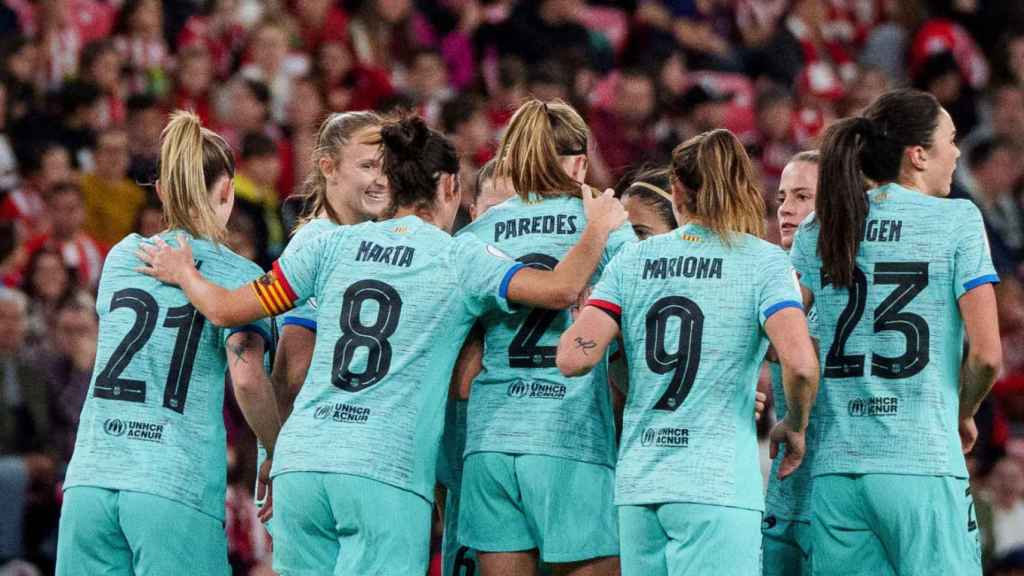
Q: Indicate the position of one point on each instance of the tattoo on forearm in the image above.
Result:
(239, 348)
(585, 345)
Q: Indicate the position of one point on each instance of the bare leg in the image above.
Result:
(508, 563)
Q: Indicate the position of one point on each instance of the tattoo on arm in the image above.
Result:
(241, 345)
(584, 345)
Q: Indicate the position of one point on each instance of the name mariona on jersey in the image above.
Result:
(685, 266)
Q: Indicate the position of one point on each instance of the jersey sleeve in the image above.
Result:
(484, 274)
(608, 295)
(293, 278)
(778, 287)
(619, 237)
(304, 315)
(972, 264)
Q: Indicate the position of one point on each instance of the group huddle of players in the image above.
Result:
(491, 361)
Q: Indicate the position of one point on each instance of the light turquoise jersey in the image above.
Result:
(691, 312)
(153, 419)
(790, 499)
(396, 300)
(891, 346)
(453, 445)
(521, 403)
(305, 315)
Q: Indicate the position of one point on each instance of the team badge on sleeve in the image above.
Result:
(274, 292)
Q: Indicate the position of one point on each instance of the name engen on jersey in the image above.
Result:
(342, 413)
(134, 429)
(666, 437)
(876, 406)
(527, 389)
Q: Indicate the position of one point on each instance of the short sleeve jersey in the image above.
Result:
(790, 498)
(396, 300)
(521, 403)
(305, 315)
(153, 418)
(892, 343)
(691, 310)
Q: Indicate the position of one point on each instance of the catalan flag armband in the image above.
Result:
(274, 292)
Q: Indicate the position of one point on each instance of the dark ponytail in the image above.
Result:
(414, 158)
(858, 150)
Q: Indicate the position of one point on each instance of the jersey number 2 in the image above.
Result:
(189, 324)
(910, 279)
(523, 351)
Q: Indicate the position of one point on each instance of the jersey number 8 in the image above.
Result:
(374, 337)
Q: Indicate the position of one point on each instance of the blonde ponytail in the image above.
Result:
(192, 160)
(720, 189)
(538, 134)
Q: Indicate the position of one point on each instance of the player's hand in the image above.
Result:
(760, 399)
(968, 434)
(265, 492)
(604, 210)
(166, 264)
(786, 433)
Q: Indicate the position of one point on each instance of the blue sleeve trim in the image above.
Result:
(303, 322)
(253, 328)
(503, 288)
(986, 279)
(780, 306)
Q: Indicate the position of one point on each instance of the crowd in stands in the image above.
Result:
(86, 86)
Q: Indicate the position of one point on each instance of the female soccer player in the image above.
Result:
(145, 487)
(649, 203)
(787, 514)
(697, 308)
(395, 300)
(896, 275)
(539, 464)
(345, 187)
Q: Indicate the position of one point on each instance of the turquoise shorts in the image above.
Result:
(327, 523)
(684, 539)
(520, 502)
(115, 532)
(787, 547)
(456, 559)
(887, 524)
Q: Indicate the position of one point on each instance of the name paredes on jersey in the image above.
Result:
(134, 429)
(549, 224)
(682, 266)
(393, 255)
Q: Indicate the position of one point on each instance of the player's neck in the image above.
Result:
(421, 213)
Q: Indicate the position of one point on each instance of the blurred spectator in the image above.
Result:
(139, 37)
(12, 254)
(320, 21)
(47, 281)
(698, 110)
(81, 115)
(19, 66)
(247, 539)
(1006, 493)
(941, 75)
(704, 28)
(305, 112)
(775, 143)
(26, 470)
(101, 65)
(553, 30)
(381, 35)
(58, 40)
(427, 84)
(624, 133)
(258, 171)
(243, 108)
(111, 198)
(80, 251)
(996, 170)
(464, 121)
(509, 91)
(149, 219)
(347, 84)
(218, 28)
(9, 176)
(145, 123)
(870, 83)
(274, 65)
(193, 82)
(47, 165)
(69, 368)
(1010, 565)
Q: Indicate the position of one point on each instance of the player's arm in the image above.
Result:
(583, 345)
(219, 305)
(559, 288)
(294, 355)
(469, 364)
(788, 333)
(253, 389)
(984, 356)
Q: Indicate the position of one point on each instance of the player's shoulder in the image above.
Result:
(312, 229)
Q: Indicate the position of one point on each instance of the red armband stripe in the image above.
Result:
(289, 293)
